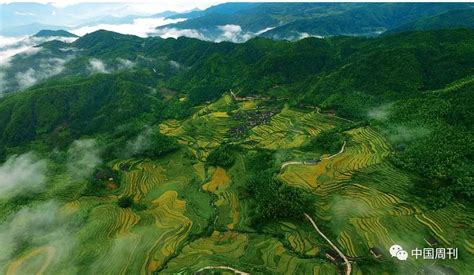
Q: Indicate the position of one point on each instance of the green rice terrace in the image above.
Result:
(194, 209)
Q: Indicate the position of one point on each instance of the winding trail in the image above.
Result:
(348, 264)
(340, 152)
(223, 267)
(318, 110)
(285, 164)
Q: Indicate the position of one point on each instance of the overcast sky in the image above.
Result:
(143, 6)
(150, 6)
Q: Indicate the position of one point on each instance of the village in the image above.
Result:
(250, 119)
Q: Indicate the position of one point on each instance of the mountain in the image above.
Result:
(58, 33)
(201, 155)
(296, 20)
(448, 20)
(28, 29)
(165, 14)
(225, 9)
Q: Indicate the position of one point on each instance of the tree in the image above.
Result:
(221, 156)
(125, 202)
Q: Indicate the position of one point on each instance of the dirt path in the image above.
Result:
(348, 264)
(284, 164)
(318, 110)
(340, 152)
(223, 267)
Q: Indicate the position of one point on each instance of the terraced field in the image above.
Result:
(189, 216)
(290, 129)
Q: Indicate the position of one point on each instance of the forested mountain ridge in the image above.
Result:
(298, 20)
(349, 75)
(150, 155)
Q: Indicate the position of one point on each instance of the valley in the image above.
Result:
(244, 138)
(188, 216)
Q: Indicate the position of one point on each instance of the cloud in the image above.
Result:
(24, 13)
(264, 30)
(26, 79)
(175, 65)
(97, 66)
(11, 46)
(403, 133)
(83, 158)
(229, 32)
(7, 53)
(140, 143)
(2, 82)
(294, 36)
(47, 67)
(175, 33)
(40, 227)
(303, 35)
(380, 113)
(140, 27)
(125, 64)
(20, 174)
(233, 33)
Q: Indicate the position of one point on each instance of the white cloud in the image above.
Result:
(264, 30)
(26, 79)
(2, 82)
(380, 113)
(233, 33)
(24, 13)
(303, 35)
(175, 33)
(47, 67)
(20, 174)
(229, 32)
(125, 64)
(11, 46)
(175, 64)
(83, 158)
(42, 226)
(140, 27)
(97, 66)
(140, 143)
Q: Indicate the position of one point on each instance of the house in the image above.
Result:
(329, 112)
(124, 166)
(333, 256)
(376, 252)
(430, 240)
(311, 161)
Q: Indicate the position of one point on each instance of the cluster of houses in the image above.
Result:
(238, 132)
(250, 119)
(255, 117)
(311, 161)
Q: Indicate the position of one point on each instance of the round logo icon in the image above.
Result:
(394, 250)
(402, 255)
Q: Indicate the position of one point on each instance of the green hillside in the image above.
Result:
(177, 156)
(59, 33)
(448, 20)
(293, 21)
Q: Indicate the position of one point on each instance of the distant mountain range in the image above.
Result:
(238, 22)
(58, 33)
(19, 19)
(297, 20)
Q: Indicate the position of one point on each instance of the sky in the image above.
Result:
(142, 6)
